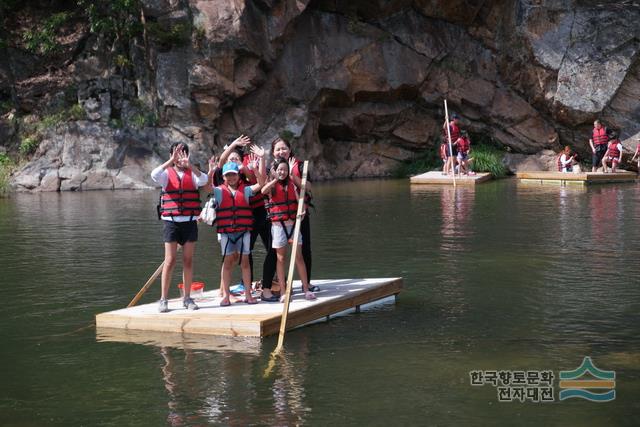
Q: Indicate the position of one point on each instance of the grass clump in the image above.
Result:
(6, 169)
(28, 145)
(426, 161)
(488, 159)
(42, 40)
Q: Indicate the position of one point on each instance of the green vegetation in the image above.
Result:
(488, 159)
(42, 40)
(6, 168)
(115, 19)
(426, 161)
(29, 144)
(177, 35)
(74, 112)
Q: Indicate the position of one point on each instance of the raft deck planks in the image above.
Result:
(436, 177)
(583, 178)
(258, 320)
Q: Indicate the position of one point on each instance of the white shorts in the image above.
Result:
(279, 238)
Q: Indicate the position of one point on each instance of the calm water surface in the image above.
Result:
(503, 277)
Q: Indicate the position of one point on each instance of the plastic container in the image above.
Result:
(197, 289)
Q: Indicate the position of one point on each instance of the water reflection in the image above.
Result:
(227, 388)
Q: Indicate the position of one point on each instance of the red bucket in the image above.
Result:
(197, 289)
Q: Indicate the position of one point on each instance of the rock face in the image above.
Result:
(358, 85)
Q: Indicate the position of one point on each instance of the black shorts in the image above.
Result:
(180, 232)
(601, 149)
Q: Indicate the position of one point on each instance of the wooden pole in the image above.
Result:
(292, 262)
(141, 292)
(446, 118)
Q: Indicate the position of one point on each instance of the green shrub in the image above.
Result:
(177, 35)
(426, 161)
(6, 168)
(42, 40)
(488, 159)
(28, 145)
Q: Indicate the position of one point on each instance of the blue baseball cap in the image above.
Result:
(230, 167)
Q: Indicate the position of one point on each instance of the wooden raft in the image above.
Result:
(258, 320)
(436, 177)
(583, 178)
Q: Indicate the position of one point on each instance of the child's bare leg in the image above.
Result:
(302, 269)
(170, 250)
(246, 277)
(188, 249)
(227, 268)
(281, 253)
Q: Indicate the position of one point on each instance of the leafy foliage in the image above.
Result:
(488, 159)
(28, 145)
(42, 40)
(426, 161)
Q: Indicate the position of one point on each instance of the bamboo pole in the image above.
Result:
(446, 118)
(292, 262)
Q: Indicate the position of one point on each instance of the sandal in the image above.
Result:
(250, 301)
(225, 303)
(309, 296)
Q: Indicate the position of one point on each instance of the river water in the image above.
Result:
(504, 277)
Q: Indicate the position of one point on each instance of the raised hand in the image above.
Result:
(292, 163)
(241, 141)
(175, 155)
(213, 162)
(183, 159)
(258, 151)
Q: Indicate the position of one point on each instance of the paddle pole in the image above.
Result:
(292, 262)
(446, 118)
(141, 292)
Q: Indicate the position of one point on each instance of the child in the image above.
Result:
(565, 160)
(179, 209)
(613, 154)
(463, 145)
(282, 210)
(235, 222)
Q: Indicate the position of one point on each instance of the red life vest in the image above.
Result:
(600, 136)
(257, 200)
(454, 130)
(463, 145)
(233, 213)
(283, 202)
(444, 151)
(180, 196)
(612, 150)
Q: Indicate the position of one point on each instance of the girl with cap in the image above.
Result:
(234, 221)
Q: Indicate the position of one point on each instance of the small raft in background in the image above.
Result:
(583, 178)
(436, 177)
(240, 319)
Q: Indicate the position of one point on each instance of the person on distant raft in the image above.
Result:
(565, 160)
(282, 192)
(614, 153)
(454, 130)
(444, 155)
(178, 209)
(463, 146)
(635, 155)
(234, 220)
(598, 143)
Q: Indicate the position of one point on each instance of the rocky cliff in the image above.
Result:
(358, 85)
